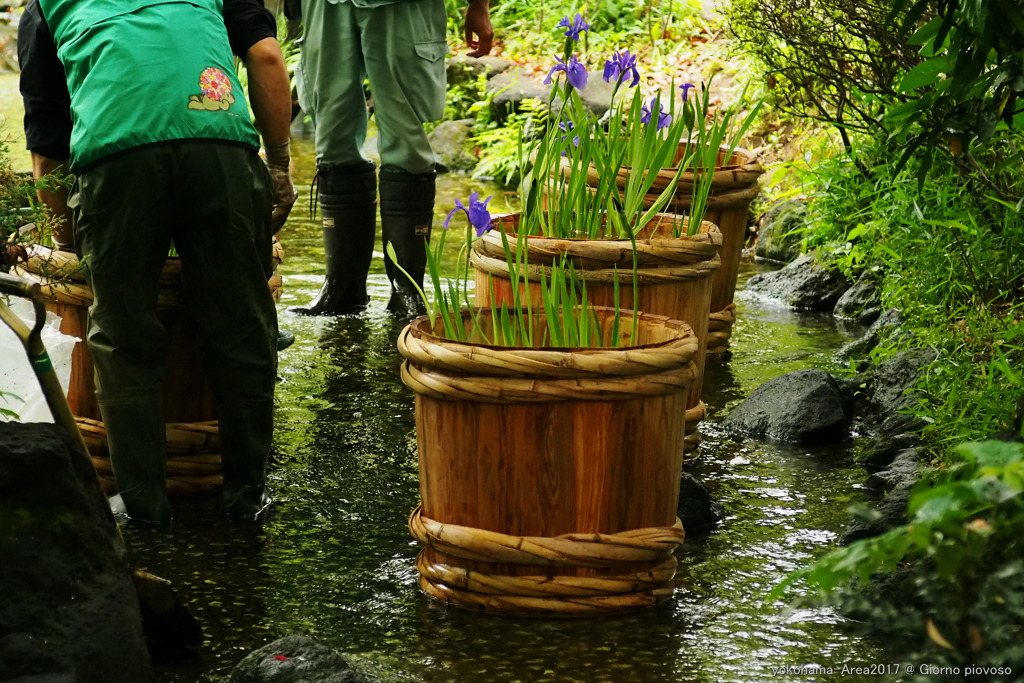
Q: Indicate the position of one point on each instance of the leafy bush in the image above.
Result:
(959, 600)
(836, 61)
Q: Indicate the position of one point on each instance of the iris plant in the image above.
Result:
(621, 65)
(574, 70)
(685, 87)
(654, 109)
(573, 27)
(477, 213)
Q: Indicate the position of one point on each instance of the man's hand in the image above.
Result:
(54, 196)
(478, 23)
(285, 194)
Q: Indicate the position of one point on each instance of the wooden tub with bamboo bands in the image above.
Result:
(675, 275)
(549, 477)
(734, 186)
(193, 445)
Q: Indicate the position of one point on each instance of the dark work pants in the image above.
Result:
(214, 201)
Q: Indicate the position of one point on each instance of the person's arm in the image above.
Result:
(252, 31)
(478, 23)
(44, 91)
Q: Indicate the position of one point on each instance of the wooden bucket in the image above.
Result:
(733, 188)
(193, 445)
(675, 275)
(549, 477)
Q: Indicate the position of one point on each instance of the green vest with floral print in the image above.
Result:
(142, 72)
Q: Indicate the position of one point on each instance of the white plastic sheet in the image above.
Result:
(16, 375)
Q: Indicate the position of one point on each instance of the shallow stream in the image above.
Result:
(334, 559)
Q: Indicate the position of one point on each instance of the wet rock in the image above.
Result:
(781, 230)
(451, 142)
(698, 509)
(890, 383)
(803, 406)
(803, 284)
(295, 659)
(898, 479)
(861, 303)
(884, 328)
(900, 473)
(511, 87)
(463, 68)
(897, 433)
(890, 513)
(69, 607)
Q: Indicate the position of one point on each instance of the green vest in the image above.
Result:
(147, 71)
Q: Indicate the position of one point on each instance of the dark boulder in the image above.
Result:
(295, 659)
(803, 406)
(69, 606)
(453, 146)
(861, 303)
(899, 474)
(890, 383)
(897, 433)
(781, 231)
(803, 284)
(698, 509)
(886, 327)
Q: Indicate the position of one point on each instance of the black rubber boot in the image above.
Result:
(406, 212)
(348, 204)
(137, 439)
(246, 428)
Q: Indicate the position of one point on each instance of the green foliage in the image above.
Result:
(960, 600)
(968, 87)
(950, 258)
(835, 61)
(18, 208)
(500, 144)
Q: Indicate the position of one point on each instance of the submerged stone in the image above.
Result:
(295, 659)
(698, 509)
(803, 284)
(803, 407)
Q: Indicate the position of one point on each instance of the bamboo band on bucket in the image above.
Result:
(581, 550)
(595, 363)
(625, 275)
(551, 607)
(720, 329)
(660, 249)
(543, 585)
(448, 387)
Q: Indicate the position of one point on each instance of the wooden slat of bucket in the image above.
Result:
(487, 471)
(688, 301)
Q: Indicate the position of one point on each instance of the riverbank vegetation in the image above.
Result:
(925, 190)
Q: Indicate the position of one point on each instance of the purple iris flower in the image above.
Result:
(685, 87)
(573, 27)
(654, 107)
(620, 66)
(477, 213)
(574, 71)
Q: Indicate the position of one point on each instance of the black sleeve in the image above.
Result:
(248, 22)
(44, 87)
